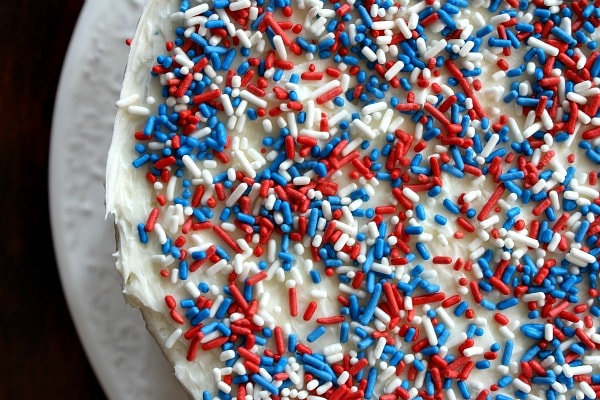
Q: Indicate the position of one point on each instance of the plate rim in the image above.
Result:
(81, 35)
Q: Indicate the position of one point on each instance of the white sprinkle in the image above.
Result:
(577, 98)
(292, 125)
(591, 359)
(373, 230)
(537, 43)
(430, 332)
(548, 332)
(127, 101)
(192, 290)
(236, 194)
(587, 390)
(472, 351)
(523, 239)
(280, 47)
(170, 192)
(374, 107)
(202, 132)
(505, 330)
(522, 386)
(227, 107)
(394, 70)
(382, 25)
(500, 18)
(379, 347)
(138, 110)
(301, 180)
(491, 145)
(214, 269)
(160, 233)
(318, 294)
(231, 174)
(207, 177)
(332, 349)
(227, 355)
(191, 166)
(553, 245)
(555, 201)
(587, 191)
(491, 221)
(361, 127)
(559, 387)
(580, 257)
(381, 268)
(176, 334)
(323, 89)
(244, 163)
(223, 387)
(339, 116)
(581, 370)
(369, 53)
(239, 5)
(252, 98)
(319, 135)
(410, 194)
(448, 320)
(436, 47)
(184, 60)
(196, 10)
(209, 163)
(466, 49)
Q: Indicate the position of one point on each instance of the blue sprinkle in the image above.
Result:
(142, 234)
(370, 308)
(187, 303)
(461, 308)
(464, 389)
(320, 374)
(532, 352)
(371, 380)
(141, 160)
(420, 212)
(200, 316)
(440, 219)
(422, 250)
(450, 206)
(413, 230)
(508, 303)
(563, 35)
(317, 333)
(505, 381)
(292, 342)
(183, 270)
(533, 331)
(257, 378)
(365, 16)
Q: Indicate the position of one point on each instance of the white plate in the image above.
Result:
(125, 358)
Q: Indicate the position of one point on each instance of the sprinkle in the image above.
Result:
(138, 110)
(330, 152)
(173, 337)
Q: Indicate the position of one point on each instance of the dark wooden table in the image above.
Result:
(40, 354)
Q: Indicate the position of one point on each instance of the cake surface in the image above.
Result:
(364, 199)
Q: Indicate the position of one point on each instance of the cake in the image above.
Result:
(364, 199)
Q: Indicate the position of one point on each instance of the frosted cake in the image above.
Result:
(364, 199)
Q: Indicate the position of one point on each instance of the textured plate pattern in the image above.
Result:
(127, 361)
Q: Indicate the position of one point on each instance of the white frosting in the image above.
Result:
(130, 198)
